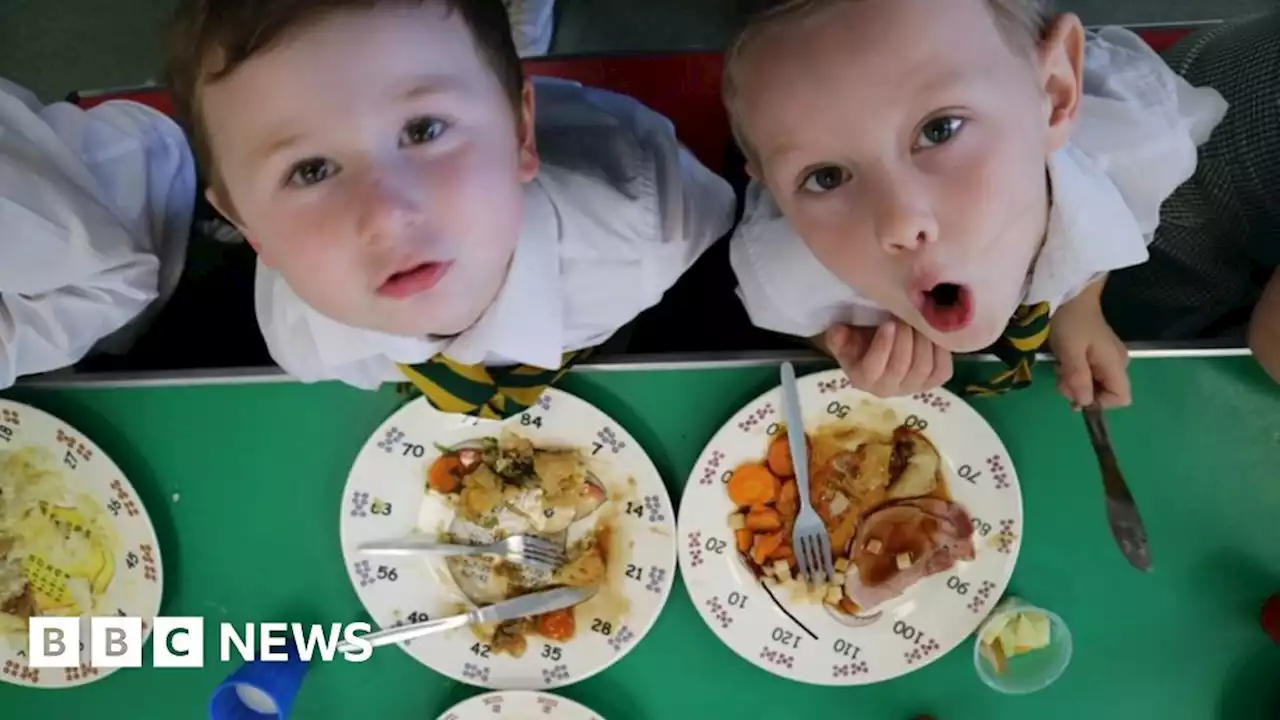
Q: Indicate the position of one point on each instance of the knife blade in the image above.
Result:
(1122, 512)
(524, 606)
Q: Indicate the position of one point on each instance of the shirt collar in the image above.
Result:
(525, 323)
(1091, 230)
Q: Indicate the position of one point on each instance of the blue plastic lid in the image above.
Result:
(260, 690)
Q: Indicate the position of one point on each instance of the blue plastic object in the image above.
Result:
(260, 690)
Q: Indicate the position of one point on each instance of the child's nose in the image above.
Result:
(903, 220)
(389, 211)
(905, 226)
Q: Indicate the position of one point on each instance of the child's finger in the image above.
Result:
(873, 363)
(942, 368)
(923, 362)
(1112, 379)
(1075, 379)
(901, 357)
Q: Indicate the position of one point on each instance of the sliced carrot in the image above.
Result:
(445, 474)
(849, 606)
(784, 552)
(743, 538)
(764, 546)
(789, 500)
(779, 457)
(753, 485)
(764, 519)
(557, 625)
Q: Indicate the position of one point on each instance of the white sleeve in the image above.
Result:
(635, 208)
(781, 284)
(696, 208)
(1141, 122)
(312, 347)
(94, 207)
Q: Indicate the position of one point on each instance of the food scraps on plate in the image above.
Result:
(883, 498)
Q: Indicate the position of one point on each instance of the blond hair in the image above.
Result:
(1021, 23)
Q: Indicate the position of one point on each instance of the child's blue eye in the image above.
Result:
(825, 179)
(938, 131)
(310, 172)
(422, 131)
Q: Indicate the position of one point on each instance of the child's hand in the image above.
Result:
(1092, 361)
(891, 360)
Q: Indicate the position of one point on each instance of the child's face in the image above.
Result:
(375, 161)
(906, 142)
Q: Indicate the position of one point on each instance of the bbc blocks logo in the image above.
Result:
(179, 642)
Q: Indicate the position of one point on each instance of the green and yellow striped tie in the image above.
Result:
(494, 393)
(1026, 334)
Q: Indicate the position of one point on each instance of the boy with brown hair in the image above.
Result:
(420, 208)
(941, 176)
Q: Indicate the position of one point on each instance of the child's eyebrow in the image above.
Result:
(415, 88)
(424, 85)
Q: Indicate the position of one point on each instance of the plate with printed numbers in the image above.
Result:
(518, 705)
(562, 470)
(75, 540)
(923, 509)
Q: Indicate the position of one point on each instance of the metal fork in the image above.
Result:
(527, 550)
(810, 540)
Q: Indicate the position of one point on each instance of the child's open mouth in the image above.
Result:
(417, 279)
(947, 307)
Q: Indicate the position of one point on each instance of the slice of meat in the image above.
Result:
(933, 534)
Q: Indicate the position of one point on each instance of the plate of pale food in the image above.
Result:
(922, 507)
(563, 472)
(518, 705)
(75, 541)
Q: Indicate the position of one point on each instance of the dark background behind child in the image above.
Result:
(1219, 238)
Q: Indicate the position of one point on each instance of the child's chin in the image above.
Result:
(972, 339)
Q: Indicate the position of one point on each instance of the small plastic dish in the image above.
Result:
(1033, 671)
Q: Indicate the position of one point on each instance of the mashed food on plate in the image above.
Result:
(503, 486)
(56, 546)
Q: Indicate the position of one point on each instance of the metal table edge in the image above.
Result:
(609, 363)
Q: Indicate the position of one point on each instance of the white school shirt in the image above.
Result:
(95, 212)
(1135, 143)
(618, 212)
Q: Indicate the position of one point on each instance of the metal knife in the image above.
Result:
(523, 606)
(1122, 512)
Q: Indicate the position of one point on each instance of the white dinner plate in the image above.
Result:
(91, 502)
(518, 705)
(385, 498)
(806, 641)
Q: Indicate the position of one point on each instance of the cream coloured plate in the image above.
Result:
(385, 498)
(806, 641)
(519, 705)
(92, 504)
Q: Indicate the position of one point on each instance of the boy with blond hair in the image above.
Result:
(941, 176)
(420, 208)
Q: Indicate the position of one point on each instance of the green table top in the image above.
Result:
(259, 471)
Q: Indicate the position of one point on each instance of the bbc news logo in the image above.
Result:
(178, 642)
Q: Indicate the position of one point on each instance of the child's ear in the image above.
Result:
(220, 203)
(1061, 59)
(528, 162)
